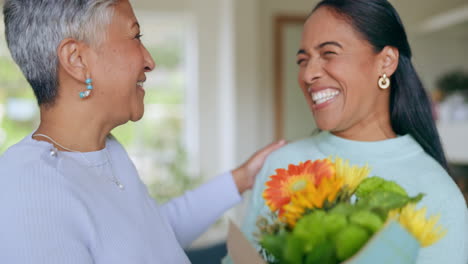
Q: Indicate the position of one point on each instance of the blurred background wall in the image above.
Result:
(212, 100)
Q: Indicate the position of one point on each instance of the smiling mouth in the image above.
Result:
(323, 96)
(140, 84)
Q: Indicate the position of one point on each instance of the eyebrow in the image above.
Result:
(334, 43)
(321, 45)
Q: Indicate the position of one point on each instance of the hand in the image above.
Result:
(244, 176)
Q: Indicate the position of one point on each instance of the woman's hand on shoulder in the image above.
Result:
(244, 175)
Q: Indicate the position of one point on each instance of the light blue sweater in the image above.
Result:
(400, 159)
(65, 209)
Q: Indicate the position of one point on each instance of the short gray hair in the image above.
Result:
(35, 28)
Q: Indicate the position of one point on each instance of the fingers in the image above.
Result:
(271, 147)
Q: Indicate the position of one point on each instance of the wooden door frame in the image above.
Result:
(280, 21)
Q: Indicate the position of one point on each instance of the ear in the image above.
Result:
(389, 57)
(72, 60)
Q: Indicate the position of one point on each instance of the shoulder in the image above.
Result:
(423, 174)
(30, 174)
(23, 157)
(41, 210)
(296, 151)
(35, 194)
(426, 173)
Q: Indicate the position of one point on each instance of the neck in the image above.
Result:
(375, 128)
(370, 133)
(73, 128)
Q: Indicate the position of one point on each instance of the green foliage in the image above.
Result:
(9, 73)
(167, 55)
(349, 240)
(334, 222)
(274, 244)
(376, 184)
(324, 253)
(371, 221)
(381, 195)
(293, 249)
(14, 132)
(163, 137)
(169, 92)
(453, 81)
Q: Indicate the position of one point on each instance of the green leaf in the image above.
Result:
(384, 200)
(367, 186)
(381, 202)
(374, 184)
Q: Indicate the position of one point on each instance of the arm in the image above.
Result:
(191, 214)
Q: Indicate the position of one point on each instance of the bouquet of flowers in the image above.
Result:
(326, 211)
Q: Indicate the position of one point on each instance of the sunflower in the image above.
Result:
(415, 222)
(285, 183)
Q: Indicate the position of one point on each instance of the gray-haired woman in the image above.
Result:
(70, 192)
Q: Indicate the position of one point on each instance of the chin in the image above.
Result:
(137, 113)
(326, 124)
(137, 117)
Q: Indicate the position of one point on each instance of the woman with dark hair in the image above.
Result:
(356, 75)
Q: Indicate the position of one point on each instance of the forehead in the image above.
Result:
(326, 25)
(123, 12)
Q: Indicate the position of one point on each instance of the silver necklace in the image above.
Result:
(114, 178)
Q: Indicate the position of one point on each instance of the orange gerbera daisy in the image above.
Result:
(285, 183)
(310, 198)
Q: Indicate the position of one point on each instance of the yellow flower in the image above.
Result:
(352, 176)
(415, 222)
(310, 198)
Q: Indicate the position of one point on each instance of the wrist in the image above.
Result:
(240, 179)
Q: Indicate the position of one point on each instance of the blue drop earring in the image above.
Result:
(89, 88)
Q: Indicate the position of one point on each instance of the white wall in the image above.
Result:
(439, 52)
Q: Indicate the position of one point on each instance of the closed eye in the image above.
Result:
(329, 53)
(300, 61)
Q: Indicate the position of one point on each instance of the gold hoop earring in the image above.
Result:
(384, 82)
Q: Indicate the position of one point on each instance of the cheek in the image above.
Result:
(300, 79)
(304, 86)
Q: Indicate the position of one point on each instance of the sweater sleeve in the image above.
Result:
(453, 247)
(191, 214)
(40, 221)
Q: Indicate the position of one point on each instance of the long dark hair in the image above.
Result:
(410, 106)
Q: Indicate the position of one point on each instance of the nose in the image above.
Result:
(149, 62)
(312, 72)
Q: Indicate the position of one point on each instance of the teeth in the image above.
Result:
(324, 95)
(140, 84)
